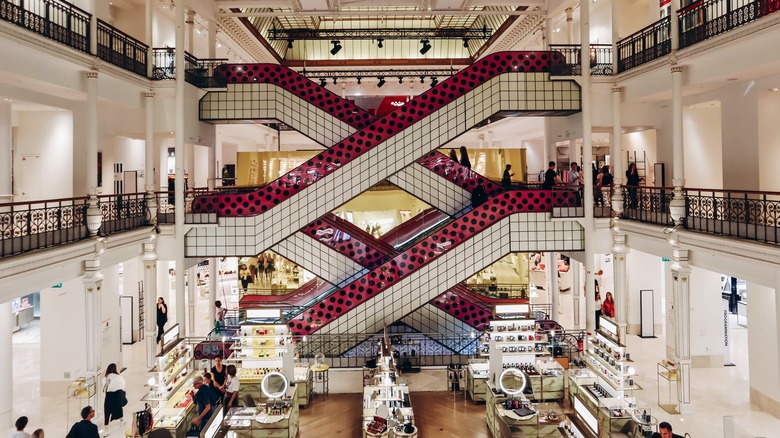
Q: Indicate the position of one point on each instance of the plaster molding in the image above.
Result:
(236, 31)
(520, 30)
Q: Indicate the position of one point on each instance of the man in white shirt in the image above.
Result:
(575, 181)
(20, 424)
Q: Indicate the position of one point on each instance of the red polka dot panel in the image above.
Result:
(446, 167)
(373, 134)
(464, 308)
(403, 264)
(350, 245)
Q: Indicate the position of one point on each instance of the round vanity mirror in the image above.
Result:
(274, 385)
(512, 381)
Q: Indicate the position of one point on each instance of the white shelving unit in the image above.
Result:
(512, 344)
(264, 347)
(171, 371)
(608, 361)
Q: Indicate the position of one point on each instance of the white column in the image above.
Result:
(675, 25)
(213, 287)
(6, 159)
(6, 365)
(192, 285)
(548, 32)
(587, 156)
(575, 269)
(94, 217)
(150, 297)
(619, 252)
(677, 205)
(616, 151)
(93, 282)
(149, 38)
(570, 26)
(615, 36)
(181, 308)
(552, 275)
(190, 32)
(212, 39)
(149, 158)
(93, 27)
(681, 271)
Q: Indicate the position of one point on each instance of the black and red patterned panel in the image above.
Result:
(352, 245)
(400, 266)
(316, 168)
(465, 309)
(450, 169)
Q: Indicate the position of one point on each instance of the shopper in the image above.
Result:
(219, 315)
(598, 309)
(608, 307)
(606, 183)
(478, 196)
(506, 181)
(453, 155)
(218, 375)
(210, 383)
(202, 399)
(464, 158)
(665, 429)
(231, 388)
(550, 177)
(20, 424)
(38, 433)
(245, 276)
(632, 182)
(115, 396)
(162, 317)
(598, 196)
(84, 428)
(574, 182)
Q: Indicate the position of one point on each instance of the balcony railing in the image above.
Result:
(59, 21)
(649, 44)
(706, 19)
(121, 49)
(647, 204)
(743, 214)
(122, 212)
(198, 72)
(600, 60)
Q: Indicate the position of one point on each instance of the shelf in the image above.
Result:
(268, 347)
(614, 369)
(610, 341)
(609, 381)
(173, 390)
(176, 373)
(173, 361)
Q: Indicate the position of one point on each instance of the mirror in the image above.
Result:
(274, 385)
(512, 381)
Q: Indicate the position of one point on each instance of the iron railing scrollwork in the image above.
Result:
(198, 72)
(648, 44)
(56, 20)
(121, 49)
(647, 204)
(600, 60)
(708, 18)
(742, 214)
(122, 212)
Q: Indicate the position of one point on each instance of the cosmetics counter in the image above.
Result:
(387, 409)
(260, 349)
(275, 418)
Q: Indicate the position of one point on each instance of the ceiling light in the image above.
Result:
(323, 83)
(773, 89)
(426, 47)
(289, 43)
(358, 80)
(466, 43)
(434, 81)
(219, 45)
(9, 100)
(380, 41)
(381, 81)
(336, 47)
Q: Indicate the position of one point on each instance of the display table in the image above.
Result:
(505, 423)
(258, 423)
(321, 378)
(303, 379)
(476, 381)
(667, 374)
(547, 384)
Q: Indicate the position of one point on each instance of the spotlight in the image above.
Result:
(381, 81)
(334, 80)
(336, 47)
(426, 47)
(400, 79)
(289, 43)
(422, 79)
(358, 80)
(381, 42)
(323, 83)
(434, 81)
(466, 43)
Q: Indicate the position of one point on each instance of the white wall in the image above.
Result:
(644, 144)
(768, 141)
(199, 175)
(706, 319)
(644, 271)
(43, 160)
(63, 331)
(109, 318)
(703, 148)
(762, 347)
(534, 156)
(127, 151)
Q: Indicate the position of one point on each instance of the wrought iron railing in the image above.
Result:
(503, 290)
(121, 49)
(122, 212)
(166, 205)
(198, 72)
(648, 44)
(647, 204)
(708, 18)
(743, 214)
(56, 20)
(600, 60)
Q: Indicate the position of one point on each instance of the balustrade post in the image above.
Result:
(616, 151)
(94, 217)
(677, 205)
(93, 42)
(674, 25)
(681, 272)
(151, 199)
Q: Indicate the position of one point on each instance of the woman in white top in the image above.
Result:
(231, 388)
(115, 395)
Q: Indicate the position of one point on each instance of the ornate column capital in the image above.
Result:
(677, 68)
(617, 89)
(149, 94)
(569, 14)
(91, 74)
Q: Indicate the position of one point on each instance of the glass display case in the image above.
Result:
(477, 374)
(668, 378)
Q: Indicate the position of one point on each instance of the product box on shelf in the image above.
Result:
(263, 348)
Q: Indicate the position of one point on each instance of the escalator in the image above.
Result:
(488, 88)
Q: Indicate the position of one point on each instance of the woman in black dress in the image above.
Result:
(218, 375)
(162, 317)
(464, 158)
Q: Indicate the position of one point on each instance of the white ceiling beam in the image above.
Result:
(260, 4)
(377, 13)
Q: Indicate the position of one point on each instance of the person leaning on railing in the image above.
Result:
(632, 182)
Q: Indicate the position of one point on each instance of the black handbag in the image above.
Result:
(122, 397)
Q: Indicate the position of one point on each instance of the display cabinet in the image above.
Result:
(547, 382)
(261, 345)
(303, 379)
(512, 344)
(477, 374)
(279, 419)
(668, 379)
(608, 360)
(172, 370)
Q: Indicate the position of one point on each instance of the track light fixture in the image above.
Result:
(465, 43)
(422, 79)
(434, 81)
(380, 42)
(426, 46)
(336, 47)
(334, 80)
(359, 79)
(381, 81)
(400, 79)
(289, 43)
(323, 83)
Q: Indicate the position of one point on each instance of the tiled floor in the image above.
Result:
(716, 391)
